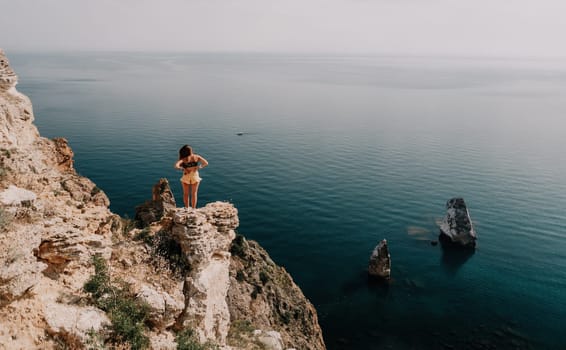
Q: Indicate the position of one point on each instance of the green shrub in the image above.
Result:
(237, 248)
(127, 225)
(239, 331)
(187, 340)
(165, 246)
(94, 340)
(128, 315)
(99, 283)
(145, 236)
(128, 322)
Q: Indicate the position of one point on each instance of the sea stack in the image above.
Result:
(380, 262)
(456, 229)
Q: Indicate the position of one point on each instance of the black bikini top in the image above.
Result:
(189, 164)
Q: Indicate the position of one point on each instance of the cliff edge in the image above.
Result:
(74, 275)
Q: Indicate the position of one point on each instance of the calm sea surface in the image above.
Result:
(337, 154)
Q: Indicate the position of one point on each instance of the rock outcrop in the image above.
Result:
(205, 236)
(53, 221)
(161, 203)
(456, 229)
(8, 78)
(263, 296)
(380, 261)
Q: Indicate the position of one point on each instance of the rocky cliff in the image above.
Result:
(74, 275)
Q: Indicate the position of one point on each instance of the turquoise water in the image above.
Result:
(337, 154)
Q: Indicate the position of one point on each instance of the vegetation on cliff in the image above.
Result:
(172, 282)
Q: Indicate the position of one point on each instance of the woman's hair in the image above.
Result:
(185, 151)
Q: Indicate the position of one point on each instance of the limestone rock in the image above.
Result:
(456, 229)
(74, 319)
(61, 248)
(64, 154)
(161, 203)
(270, 340)
(58, 220)
(205, 233)
(83, 190)
(380, 261)
(265, 296)
(8, 78)
(16, 196)
(164, 309)
(16, 114)
(162, 341)
(20, 272)
(206, 248)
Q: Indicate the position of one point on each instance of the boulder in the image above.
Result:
(380, 261)
(270, 340)
(74, 319)
(16, 196)
(162, 202)
(164, 309)
(456, 229)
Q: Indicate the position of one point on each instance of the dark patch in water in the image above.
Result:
(453, 259)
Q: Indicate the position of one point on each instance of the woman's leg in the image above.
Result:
(194, 194)
(185, 194)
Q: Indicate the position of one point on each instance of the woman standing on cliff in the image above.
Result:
(190, 163)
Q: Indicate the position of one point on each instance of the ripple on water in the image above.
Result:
(330, 164)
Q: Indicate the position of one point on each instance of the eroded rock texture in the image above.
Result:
(205, 236)
(456, 229)
(161, 203)
(53, 221)
(380, 261)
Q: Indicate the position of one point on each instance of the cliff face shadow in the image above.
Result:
(454, 258)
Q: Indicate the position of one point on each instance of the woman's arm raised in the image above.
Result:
(203, 162)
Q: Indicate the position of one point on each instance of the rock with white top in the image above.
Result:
(456, 229)
(380, 261)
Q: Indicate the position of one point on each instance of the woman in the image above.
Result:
(190, 163)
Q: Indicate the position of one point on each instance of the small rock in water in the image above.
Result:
(433, 243)
(380, 261)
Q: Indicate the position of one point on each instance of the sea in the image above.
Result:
(326, 155)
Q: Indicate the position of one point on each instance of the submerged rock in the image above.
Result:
(380, 261)
(456, 228)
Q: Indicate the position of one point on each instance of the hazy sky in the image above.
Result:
(476, 27)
